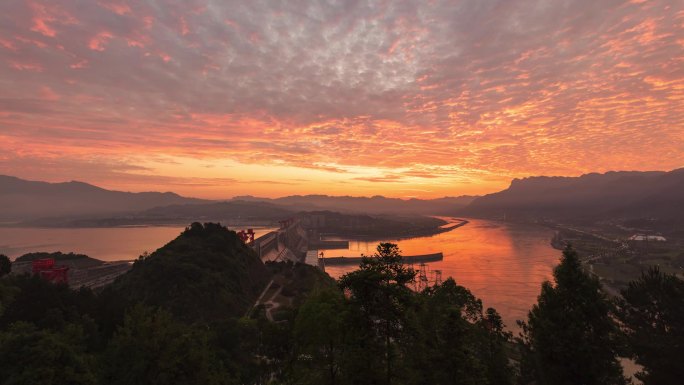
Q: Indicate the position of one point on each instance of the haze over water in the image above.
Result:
(502, 264)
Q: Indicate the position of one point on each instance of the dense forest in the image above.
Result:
(185, 315)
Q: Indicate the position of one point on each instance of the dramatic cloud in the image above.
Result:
(402, 98)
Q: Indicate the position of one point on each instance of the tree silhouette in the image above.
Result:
(5, 265)
(380, 289)
(570, 337)
(652, 310)
(320, 330)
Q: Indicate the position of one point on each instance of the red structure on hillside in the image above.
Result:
(47, 270)
(246, 236)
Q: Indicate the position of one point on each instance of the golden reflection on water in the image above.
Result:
(502, 264)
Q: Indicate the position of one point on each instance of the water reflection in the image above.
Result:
(503, 264)
(107, 244)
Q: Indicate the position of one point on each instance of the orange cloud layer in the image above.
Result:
(404, 98)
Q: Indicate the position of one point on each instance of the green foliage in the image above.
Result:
(379, 288)
(448, 340)
(439, 336)
(152, 348)
(47, 305)
(299, 280)
(5, 265)
(495, 357)
(570, 337)
(44, 357)
(440, 344)
(652, 309)
(7, 293)
(207, 273)
(237, 342)
(320, 334)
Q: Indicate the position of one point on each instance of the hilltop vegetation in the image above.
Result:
(206, 273)
(71, 259)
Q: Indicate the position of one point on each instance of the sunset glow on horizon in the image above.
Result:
(425, 99)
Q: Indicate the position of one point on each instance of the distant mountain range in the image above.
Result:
(81, 204)
(23, 200)
(624, 195)
(614, 195)
(373, 205)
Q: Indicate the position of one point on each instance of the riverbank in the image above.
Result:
(613, 257)
(416, 233)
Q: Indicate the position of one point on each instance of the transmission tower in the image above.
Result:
(438, 277)
(422, 276)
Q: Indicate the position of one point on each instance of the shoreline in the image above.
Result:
(418, 234)
(556, 243)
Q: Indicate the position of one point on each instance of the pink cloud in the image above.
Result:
(48, 93)
(8, 44)
(118, 7)
(46, 18)
(80, 64)
(484, 88)
(41, 20)
(33, 67)
(97, 42)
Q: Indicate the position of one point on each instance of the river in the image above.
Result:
(107, 244)
(503, 264)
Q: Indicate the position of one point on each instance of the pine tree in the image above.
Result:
(379, 290)
(570, 337)
(320, 336)
(652, 310)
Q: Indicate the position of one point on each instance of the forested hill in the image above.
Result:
(613, 195)
(206, 273)
(24, 200)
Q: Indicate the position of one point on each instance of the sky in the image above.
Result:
(217, 98)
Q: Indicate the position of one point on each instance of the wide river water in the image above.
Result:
(503, 264)
(107, 244)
